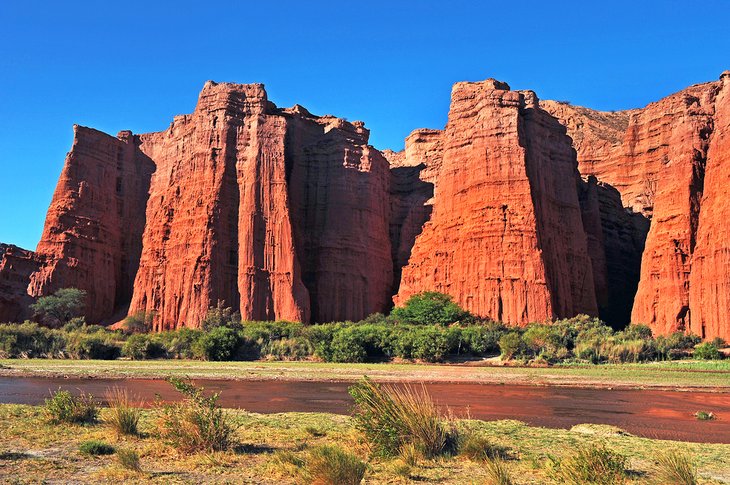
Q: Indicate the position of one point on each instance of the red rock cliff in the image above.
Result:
(506, 237)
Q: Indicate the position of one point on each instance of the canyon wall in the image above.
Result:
(522, 210)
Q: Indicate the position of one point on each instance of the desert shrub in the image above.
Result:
(429, 307)
(479, 448)
(143, 346)
(139, 322)
(30, 340)
(497, 472)
(129, 459)
(675, 345)
(511, 345)
(96, 448)
(637, 332)
(74, 324)
(181, 343)
(482, 339)
(123, 413)
(592, 465)
(432, 343)
(196, 423)
(392, 417)
(288, 349)
(704, 416)
(220, 344)
(63, 407)
(676, 468)
(707, 351)
(60, 307)
(99, 345)
(331, 465)
(221, 316)
(347, 346)
(547, 341)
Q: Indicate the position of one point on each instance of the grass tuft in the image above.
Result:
(393, 416)
(96, 448)
(595, 465)
(479, 448)
(129, 459)
(124, 416)
(676, 468)
(497, 472)
(330, 465)
(63, 407)
(197, 423)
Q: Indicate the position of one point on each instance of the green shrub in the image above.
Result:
(197, 423)
(704, 415)
(143, 346)
(60, 307)
(331, 465)
(220, 344)
(139, 322)
(181, 343)
(482, 339)
(123, 414)
(96, 448)
(347, 346)
(221, 316)
(676, 468)
(392, 417)
(129, 459)
(297, 348)
(592, 465)
(707, 351)
(429, 307)
(63, 407)
(30, 340)
(511, 345)
(675, 345)
(100, 345)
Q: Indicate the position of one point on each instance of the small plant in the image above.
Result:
(497, 472)
(393, 416)
(286, 457)
(129, 459)
(479, 448)
(595, 465)
(123, 415)
(315, 432)
(197, 423)
(676, 468)
(63, 407)
(707, 351)
(96, 448)
(330, 465)
(704, 415)
(410, 454)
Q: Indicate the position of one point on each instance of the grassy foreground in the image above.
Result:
(682, 375)
(34, 451)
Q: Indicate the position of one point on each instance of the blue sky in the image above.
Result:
(133, 65)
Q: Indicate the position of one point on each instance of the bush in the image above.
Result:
(99, 345)
(707, 351)
(704, 415)
(197, 423)
(62, 407)
(676, 468)
(511, 345)
(288, 349)
(143, 346)
(139, 322)
(392, 417)
(129, 459)
(180, 344)
(30, 340)
(96, 448)
(123, 415)
(220, 344)
(330, 465)
(429, 307)
(482, 339)
(592, 465)
(59, 308)
(221, 316)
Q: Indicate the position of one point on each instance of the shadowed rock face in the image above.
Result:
(522, 210)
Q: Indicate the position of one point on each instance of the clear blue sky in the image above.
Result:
(133, 65)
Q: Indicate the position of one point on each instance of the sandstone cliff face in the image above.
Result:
(16, 266)
(710, 279)
(279, 213)
(91, 239)
(506, 237)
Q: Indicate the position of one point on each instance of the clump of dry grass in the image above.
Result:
(123, 413)
(592, 464)
(676, 468)
(393, 416)
(129, 459)
(479, 448)
(497, 472)
(330, 465)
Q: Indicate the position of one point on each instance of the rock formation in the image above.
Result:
(522, 210)
(506, 237)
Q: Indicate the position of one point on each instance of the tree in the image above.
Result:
(60, 307)
(430, 307)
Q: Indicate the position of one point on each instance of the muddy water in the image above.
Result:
(648, 413)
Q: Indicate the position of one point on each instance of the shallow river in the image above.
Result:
(648, 413)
